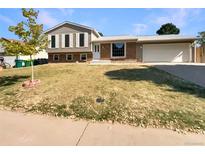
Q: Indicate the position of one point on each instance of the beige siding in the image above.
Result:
(67, 29)
(93, 37)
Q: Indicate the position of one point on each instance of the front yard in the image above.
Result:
(137, 95)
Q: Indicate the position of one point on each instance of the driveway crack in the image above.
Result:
(81, 136)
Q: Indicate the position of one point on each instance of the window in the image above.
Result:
(69, 57)
(56, 57)
(67, 40)
(53, 41)
(83, 57)
(97, 48)
(82, 37)
(118, 49)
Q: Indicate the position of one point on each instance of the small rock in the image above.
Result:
(100, 100)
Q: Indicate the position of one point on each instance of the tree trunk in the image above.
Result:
(32, 72)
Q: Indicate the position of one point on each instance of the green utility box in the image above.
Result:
(19, 63)
(27, 63)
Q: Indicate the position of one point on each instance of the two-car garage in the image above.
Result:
(167, 52)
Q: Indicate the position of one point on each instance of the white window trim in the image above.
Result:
(81, 56)
(86, 39)
(67, 56)
(70, 40)
(77, 40)
(58, 57)
(118, 57)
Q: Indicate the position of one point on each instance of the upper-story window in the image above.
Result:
(53, 41)
(82, 41)
(67, 40)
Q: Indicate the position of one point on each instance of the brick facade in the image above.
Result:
(62, 57)
(105, 51)
(133, 52)
(139, 52)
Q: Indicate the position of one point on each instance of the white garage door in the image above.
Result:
(176, 52)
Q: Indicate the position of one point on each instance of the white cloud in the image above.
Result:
(176, 16)
(6, 19)
(47, 19)
(179, 17)
(66, 12)
(140, 28)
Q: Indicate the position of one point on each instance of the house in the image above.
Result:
(11, 59)
(71, 42)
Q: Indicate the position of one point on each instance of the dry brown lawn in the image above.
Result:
(137, 95)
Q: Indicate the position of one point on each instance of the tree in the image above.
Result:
(201, 38)
(101, 34)
(167, 29)
(33, 40)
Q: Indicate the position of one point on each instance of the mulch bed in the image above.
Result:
(30, 83)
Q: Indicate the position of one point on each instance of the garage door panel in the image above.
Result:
(178, 52)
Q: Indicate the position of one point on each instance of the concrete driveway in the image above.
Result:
(21, 129)
(189, 71)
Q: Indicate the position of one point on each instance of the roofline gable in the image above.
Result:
(74, 24)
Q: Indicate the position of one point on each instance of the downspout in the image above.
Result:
(195, 53)
(190, 53)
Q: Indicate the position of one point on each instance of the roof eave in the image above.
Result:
(168, 40)
(95, 31)
(71, 23)
(117, 40)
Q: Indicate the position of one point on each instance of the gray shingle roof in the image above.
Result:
(145, 38)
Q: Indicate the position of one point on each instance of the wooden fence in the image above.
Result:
(200, 54)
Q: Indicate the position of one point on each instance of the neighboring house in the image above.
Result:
(71, 42)
(11, 59)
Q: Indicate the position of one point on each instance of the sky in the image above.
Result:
(113, 21)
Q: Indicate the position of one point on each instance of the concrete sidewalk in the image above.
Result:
(21, 129)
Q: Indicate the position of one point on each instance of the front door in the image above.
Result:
(96, 51)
